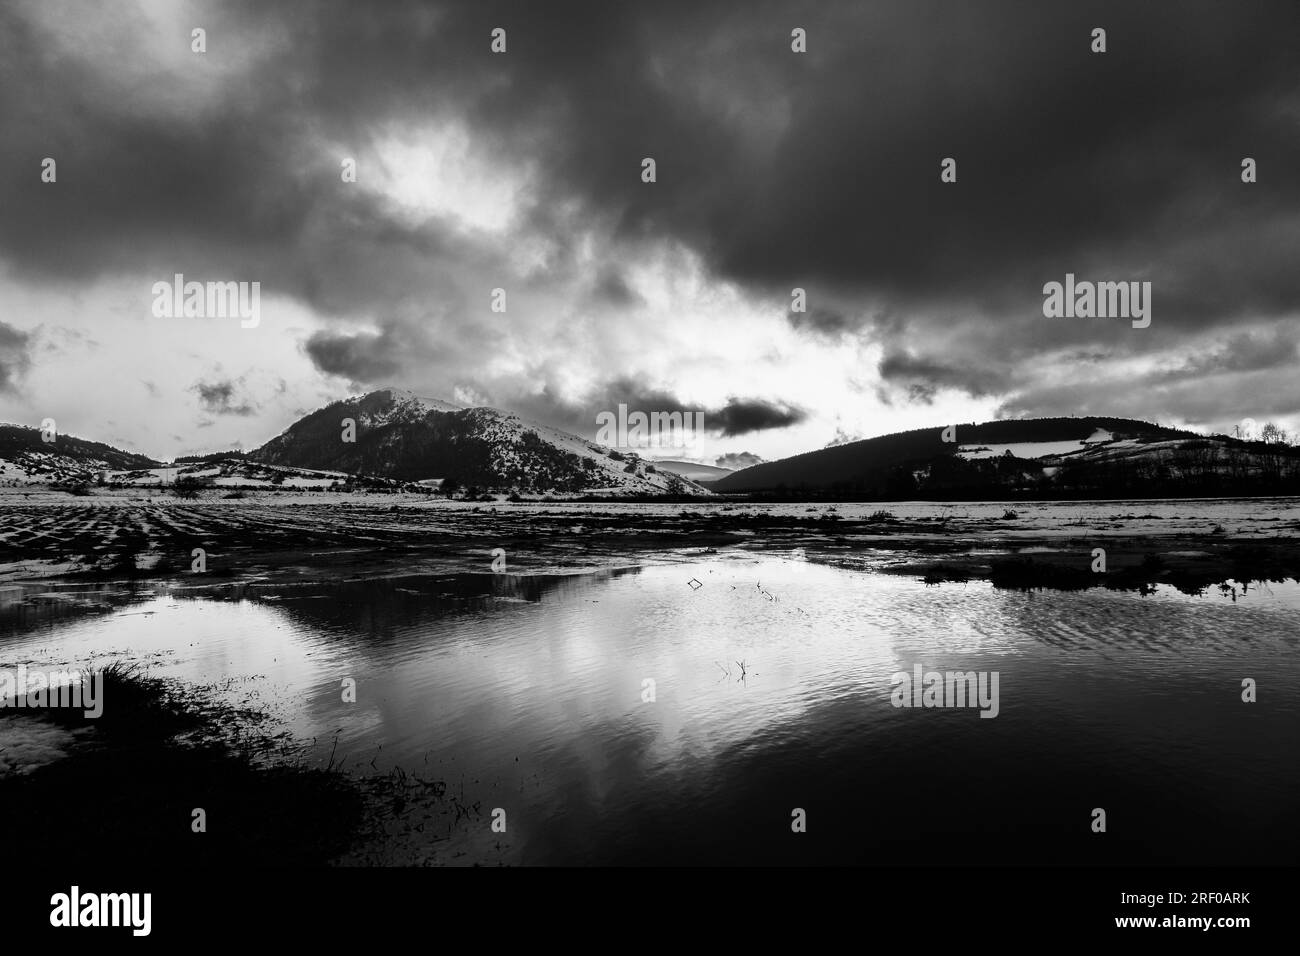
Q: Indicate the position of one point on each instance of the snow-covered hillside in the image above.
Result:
(28, 458)
(397, 434)
(227, 473)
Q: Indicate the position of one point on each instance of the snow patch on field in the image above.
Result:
(232, 473)
(1024, 449)
(1039, 449)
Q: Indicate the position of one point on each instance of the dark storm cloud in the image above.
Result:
(779, 165)
(223, 397)
(1189, 400)
(924, 375)
(246, 188)
(580, 416)
(1247, 375)
(819, 170)
(920, 393)
(745, 416)
(1247, 352)
(361, 357)
(822, 321)
(15, 356)
(736, 416)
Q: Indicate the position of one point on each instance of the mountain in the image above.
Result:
(693, 470)
(25, 458)
(397, 434)
(1091, 457)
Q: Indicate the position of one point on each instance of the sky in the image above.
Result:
(522, 171)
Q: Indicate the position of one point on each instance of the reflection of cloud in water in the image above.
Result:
(527, 690)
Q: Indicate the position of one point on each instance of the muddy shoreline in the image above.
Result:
(171, 773)
(309, 539)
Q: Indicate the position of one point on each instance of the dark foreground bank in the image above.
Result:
(169, 775)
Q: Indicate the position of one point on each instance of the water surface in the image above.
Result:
(772, 682)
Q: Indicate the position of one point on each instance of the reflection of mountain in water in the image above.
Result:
(385, 608)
